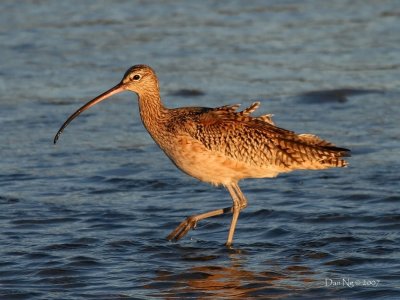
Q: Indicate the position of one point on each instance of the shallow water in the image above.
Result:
(88, 218)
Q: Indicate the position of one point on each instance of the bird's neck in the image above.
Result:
(153, 113)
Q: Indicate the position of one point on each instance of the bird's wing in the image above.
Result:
(256, 140)
(237, 134)
(230, 111)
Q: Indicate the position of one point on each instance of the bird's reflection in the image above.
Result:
(233, 281)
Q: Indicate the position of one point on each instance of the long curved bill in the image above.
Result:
(115, 90)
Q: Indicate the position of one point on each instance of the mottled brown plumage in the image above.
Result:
(220, 145)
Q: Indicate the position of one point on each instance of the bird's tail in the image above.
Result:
(328, 155)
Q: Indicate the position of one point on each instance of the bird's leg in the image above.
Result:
(239, 203)
(190, 222)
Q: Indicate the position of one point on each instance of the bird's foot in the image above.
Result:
(229, 245)
(183, 228)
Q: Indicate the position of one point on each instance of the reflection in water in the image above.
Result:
(234, 281)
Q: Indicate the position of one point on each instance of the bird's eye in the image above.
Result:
(136, 77)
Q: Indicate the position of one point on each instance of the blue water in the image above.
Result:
(87, 218)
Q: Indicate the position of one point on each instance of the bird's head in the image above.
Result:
(139, 79)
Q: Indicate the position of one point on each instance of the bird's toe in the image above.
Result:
(183, 228)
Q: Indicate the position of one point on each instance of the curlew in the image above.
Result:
(220, 145)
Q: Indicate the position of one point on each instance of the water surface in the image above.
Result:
(88, 218)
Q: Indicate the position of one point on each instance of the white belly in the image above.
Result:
(197, 161)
